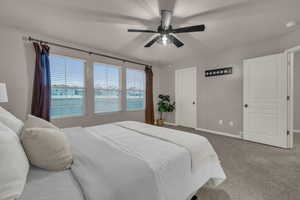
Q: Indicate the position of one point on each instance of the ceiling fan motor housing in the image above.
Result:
(166, 19)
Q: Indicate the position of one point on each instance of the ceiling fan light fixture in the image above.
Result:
(164, 40)
(165, 34)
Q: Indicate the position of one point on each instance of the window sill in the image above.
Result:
(117, 112)
(106, 113)
(94, 115)
(68, 117)
(135, 110)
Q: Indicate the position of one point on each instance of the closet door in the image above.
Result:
(265, 100)
(185, 95)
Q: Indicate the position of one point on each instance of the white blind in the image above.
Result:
(135, 84)
(67, 71)
(107, 88)
(135, 79)
(106, 77)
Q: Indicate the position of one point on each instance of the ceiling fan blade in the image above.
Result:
(175, 41)
(149, 44)
(189, 29)
(141, 31)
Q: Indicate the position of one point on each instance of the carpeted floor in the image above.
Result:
(254, 171)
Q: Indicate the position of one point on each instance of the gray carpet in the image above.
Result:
(254, 171)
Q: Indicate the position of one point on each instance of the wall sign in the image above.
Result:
(218, 72)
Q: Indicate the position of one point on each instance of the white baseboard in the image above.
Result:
(219, 133)
(296, 131)
(171, 124)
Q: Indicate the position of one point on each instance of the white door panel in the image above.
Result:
(265, 103)
(185, 89)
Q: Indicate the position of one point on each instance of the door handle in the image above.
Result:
(246, 106)
(194, 103)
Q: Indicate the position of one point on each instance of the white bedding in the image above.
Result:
(171, 163)
(115, 163)
(198, 147)
(51, 185)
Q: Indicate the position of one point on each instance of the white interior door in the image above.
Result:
(185, 95)
(265, 100)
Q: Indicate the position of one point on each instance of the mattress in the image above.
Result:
(48, 185)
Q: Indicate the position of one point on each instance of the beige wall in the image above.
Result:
(14, 71)
(220, 98)
(17, 60)
(297, 92)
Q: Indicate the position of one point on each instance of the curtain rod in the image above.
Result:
(85, 51)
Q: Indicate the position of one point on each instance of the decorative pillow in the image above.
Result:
(47, 148)
(14, 164)
(11, 121)
(35, 122)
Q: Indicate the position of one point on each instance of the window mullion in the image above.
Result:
(89, 88)
(123, 89)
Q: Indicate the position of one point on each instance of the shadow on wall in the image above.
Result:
(30, 61)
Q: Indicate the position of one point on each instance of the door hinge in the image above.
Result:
(288, 132)
(288, 98)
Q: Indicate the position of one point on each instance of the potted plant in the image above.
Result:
(164, 105)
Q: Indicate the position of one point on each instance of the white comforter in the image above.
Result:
(167, 161)
(198, 147)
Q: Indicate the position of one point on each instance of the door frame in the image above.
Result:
(196, 97)
(290, 64)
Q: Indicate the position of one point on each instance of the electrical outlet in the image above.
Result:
(231, 123)
(221, 122)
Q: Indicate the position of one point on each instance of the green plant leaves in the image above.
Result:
(164, 104)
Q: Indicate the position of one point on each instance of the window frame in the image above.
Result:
(85, 66)
(125, 90)
(93, 62)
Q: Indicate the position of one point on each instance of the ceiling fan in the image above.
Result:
(167, 33)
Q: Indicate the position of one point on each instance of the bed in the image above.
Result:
(129, 161)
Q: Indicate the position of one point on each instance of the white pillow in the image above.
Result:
(47, 148)
(35, 122)
(14, 164)
(11, 121)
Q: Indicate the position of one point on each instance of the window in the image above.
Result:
(107, 88)
(67, 87)
(135, 83)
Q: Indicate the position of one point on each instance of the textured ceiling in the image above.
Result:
(103, 24)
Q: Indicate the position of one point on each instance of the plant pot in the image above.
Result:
(160, 122)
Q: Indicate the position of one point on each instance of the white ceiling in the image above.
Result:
(103, 24)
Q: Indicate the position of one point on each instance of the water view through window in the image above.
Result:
(67, 87)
